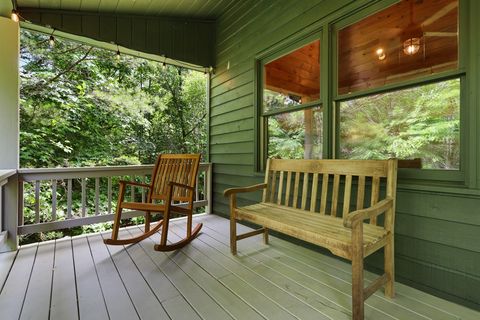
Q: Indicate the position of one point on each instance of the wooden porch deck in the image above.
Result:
(81, 277)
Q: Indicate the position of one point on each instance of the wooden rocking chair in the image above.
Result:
(171, 190)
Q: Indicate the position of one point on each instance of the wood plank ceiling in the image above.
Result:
(205, 9)
(178, 32)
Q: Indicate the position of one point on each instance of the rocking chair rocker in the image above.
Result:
(171, 190)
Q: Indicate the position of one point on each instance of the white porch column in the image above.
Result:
(9, 124)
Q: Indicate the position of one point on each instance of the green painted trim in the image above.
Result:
(402, 85)
(208, 106)
(308, 105)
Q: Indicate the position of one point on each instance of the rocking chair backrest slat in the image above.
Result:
(179, 168)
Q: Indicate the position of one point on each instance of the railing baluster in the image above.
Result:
(144, 178)
(54, 200)
(109, 195)
(97, 195)
(37, 201)
(132, 191)
(84, 197)
(69, 198)
(196, 186)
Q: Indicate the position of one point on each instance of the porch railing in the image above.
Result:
(59, 198)
(4, 175)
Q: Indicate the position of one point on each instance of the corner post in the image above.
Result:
(9, 126)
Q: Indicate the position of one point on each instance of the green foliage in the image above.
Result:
(82, 107)
(79, 106)
(422, 122)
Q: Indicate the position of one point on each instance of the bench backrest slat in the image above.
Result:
(346, 195)
(336, 187)
(338, 193)
(374, 196)
(305, 190)
(323, 201)
(313, 197)
(295, 189)
(360, 192)
(280, 188)
(287, 192)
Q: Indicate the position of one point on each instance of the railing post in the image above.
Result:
(10, 214)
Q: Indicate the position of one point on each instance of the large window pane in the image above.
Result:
(421, 122)
(292, 79)
(405, 41)
(296, 135)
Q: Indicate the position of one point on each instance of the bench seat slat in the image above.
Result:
(322, 230)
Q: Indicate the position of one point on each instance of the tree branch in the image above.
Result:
(196, 124)
(73, 65)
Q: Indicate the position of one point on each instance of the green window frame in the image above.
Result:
(261, 116)
(410, 175)
(330, 99)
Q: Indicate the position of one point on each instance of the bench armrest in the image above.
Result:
(256, 187)
(368, 213)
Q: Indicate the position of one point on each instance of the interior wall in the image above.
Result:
(437, 230)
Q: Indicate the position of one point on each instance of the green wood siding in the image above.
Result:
(187, 40)
(437, 230)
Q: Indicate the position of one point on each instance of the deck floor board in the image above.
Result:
(82, 277)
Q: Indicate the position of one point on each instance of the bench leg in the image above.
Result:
(265, 235)
(357, 273)
(389, 268)
(233, 235)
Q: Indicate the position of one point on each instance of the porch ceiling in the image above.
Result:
(207, 9)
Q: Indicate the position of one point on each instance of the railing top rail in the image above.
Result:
(31, 174)
(5, 174)
(84, 169)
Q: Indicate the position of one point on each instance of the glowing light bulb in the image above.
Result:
(51, 41)
(411, 46)
(15, 16)
(381, 54)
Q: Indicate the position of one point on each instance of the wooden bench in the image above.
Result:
(302, 198)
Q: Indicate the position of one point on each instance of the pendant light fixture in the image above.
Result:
(51, 40)
(412, 36)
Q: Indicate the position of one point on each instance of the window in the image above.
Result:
(420, 122)
(290, 107)
(399, 85)
(395, 85)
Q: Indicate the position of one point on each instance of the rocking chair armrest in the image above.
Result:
(229, 192)
(180, 185)
(133, 183)
(364, 214)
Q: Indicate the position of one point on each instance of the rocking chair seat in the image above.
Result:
(141, 206)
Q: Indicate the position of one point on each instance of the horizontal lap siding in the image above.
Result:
(437, 236)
